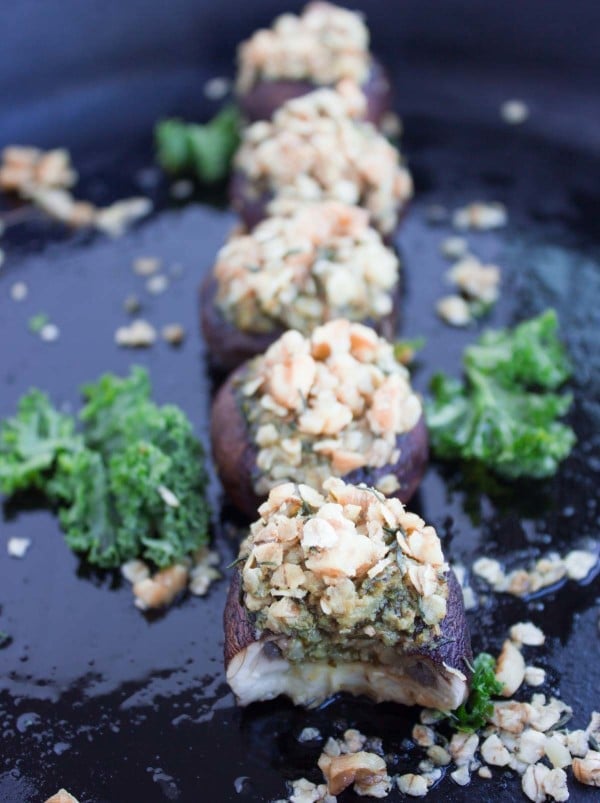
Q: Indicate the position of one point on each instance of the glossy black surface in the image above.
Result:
(119, 707)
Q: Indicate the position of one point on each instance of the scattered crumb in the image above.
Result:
(579, 564)
(484, 772)
(19, 291)
(135, 570)
(116, 218)
(49, 332)
(157, 284)
(173, 333)
(309, 735)
(204, 572)
(480, 215)
(146, 266)
(535, 676)
(454, 247)
(160, 589)
(475, 280)
(514, 112)
(587, 769)
(181, 189)
(546, 572)
(44, 178)
(132, 304)
(17, 547)
(461, 776)
(413, 785)
(217, 88)
(139, 334)
(527, 633)
(454, 310)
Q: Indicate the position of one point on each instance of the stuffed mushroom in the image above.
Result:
(320, 47)
(344, 591)
(323, 261)
(334, 403)
(318, 148)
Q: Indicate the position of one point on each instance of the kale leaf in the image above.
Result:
(504, 414)
(202, 151)
(474, 713)
(131, 485)
(32, 441)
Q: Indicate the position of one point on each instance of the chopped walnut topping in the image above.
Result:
(587, 770)
(556, 751)
(315, 149)
(159, 590)
(528, 634)
(413, 785)
(306, 559)
(366, 770)
(462, 748)
(322, 45)
(535, 676)
(510, 668)
(321, 262)
(494, 752)
(579, 563)
(577, 743)
(326, 405)
(423, 735)
(304, 791)
(533, 782)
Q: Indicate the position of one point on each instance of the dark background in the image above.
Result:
(118, 707)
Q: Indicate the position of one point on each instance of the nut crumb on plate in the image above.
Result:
(454, 310)
(139, 334)
(157, 284)
(480, 215)
(19, 291)
(514, 112)
(17, 547)
(146, 266)
(528, 634)
(173, 334)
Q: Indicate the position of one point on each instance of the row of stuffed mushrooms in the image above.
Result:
(316, 430)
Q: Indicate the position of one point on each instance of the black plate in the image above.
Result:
(118, 707)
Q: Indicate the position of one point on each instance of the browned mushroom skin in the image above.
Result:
(422, 664)
(228, 347)
(265, 97)
(235, 454)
